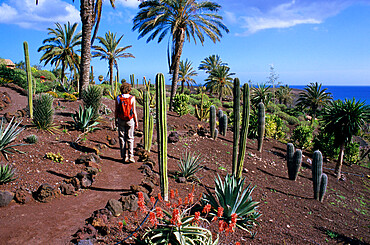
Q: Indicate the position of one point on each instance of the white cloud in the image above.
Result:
(27, 14)
(285, 14)
(129, 3)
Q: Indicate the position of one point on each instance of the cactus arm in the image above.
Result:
(244, 131)
(261, 125)
(323, 185)
(162, 134)
(236, 92)
(29, 78)
(316, 172)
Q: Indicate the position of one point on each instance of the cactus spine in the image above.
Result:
(244, 130)
(212, 121)
(223, 125)
(162, 133)
(316, 173)
(236, 93)
(29, 78)
(261, 125)
(323, 185)
(296, 164)
(289, 158)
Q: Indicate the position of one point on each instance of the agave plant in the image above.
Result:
(187, 232)
(91, 97)
(190, 164)
(83, 119)
(234, 199)
(7, 136)
(43, 112)
(6, 174)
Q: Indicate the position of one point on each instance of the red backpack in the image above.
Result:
(125, 110)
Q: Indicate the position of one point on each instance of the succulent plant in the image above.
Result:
(91, 97)
(43, 111)
(316, 173)
(8, 135)
(7, 173)
(323, 185)
(31, 139)
(190, 164)
(236, 119)
(296, 164)
(261, 125)
(212, 121)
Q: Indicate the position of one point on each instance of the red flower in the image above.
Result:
(159, 212)
(120, 224)
(160, 197)
(221, 225)
(176, 217)
(220, 212)
(172, 194)
(196, 217)
(135, 234)
(191, 198)
(237, 243)
(141, 202)
(206, 209)
(153, 218)
(152, 200)
(180, 201)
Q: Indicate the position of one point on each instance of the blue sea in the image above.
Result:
(361, 93)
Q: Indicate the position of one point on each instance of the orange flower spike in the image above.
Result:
(234, 217)
(191, 197)
(237, 243)
(160, 197)
(206, 209)
(168, 204)
(120, 224)
(196, 217)
(180, 201)
(126, 219)
(135, 234)
(214, 218)
(221, 225)
(153, 218)
(140, 196)
(159, 213)
(220, 212)
(152, 200)
(177, 193)
(172, 194)
(175, 217)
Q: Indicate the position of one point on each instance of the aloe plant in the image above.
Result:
(83, 119)
(8, 135)
(43, 112)
(234, 199)
(6, 174)
(190, 164)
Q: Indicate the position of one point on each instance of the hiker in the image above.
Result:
(126, 121)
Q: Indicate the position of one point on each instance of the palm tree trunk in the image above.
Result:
(62, 73)
(86, 13)
(111, 74)
(220, 96)
(182, 87)
(338, 167)
(179, 43)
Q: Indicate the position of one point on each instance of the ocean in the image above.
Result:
(346, 92)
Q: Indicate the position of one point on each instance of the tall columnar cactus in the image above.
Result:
(132, 80)
(212, 120)
(148, 121)
(323, 185)
(202, 113)
(220, 114)
(316, 173)
(236, 93)
(296, 164)
(289, 158)
(223, 125)
(162, 133)
(29, 78)
(261, 125)
(244, 130)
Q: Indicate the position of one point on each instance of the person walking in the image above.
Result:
(126, 121)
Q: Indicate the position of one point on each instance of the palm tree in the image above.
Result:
(261, 93)
(314, 97)
(344, 119)
(210, 63)
(220, 81)
(186, 72)
(284, 95)
(110, 51)
(181, 19)
(60, 48)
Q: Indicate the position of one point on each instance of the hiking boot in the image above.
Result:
(132, 159)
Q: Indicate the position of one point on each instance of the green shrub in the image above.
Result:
(216, 102)
(43, 111)
(193, 101)
(31, 139)
(186, 90)
(228, 104)
(233, 198)
(352, 153)
(290, 119)
(326, 144)
(275, 127)
(49, 76)
(92, 98)
(180, 104)
(302, 136)
(253, 125)
(6, 173)
(282, 107)
(272, 108)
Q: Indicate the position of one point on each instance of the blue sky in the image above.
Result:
(306, 41)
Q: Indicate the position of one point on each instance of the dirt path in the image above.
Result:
(54, 222)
